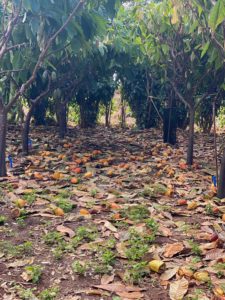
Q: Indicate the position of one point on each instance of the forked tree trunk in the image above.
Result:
(190, 150)
(26, 131)
(221, 183)
(3, 130)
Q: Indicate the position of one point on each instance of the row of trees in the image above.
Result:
(180, 46)
(45, 51)
(161, 53)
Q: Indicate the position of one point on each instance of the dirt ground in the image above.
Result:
(110, 214)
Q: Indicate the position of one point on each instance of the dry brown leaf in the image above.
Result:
(173, 249)
(109, 226)
(209, 246)
(168, 274)
(178, 289)
(121, 249)
(133, 295)
(215, 254)
(165, 231)
(21, 263)
(67, 230)
(45, 215)
(118, 288)
(106, 279)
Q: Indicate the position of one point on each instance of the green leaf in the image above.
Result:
(217, 14)
(205, 49)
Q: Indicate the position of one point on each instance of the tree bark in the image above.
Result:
(40, 113)
(123, 112)
(3, 130)
(62, 119)
(26, 131)
(191, 136)
(107, 115)
(221, 185)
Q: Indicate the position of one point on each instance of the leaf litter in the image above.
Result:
(116, 213)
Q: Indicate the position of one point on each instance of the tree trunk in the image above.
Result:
(107, 115)
(123, 112)
(221, 183)
(62, 119)
(3, 130)
(26, 131)
(191, 136)
(40, 113)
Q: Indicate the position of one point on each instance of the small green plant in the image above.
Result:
(153, 227)
(220, 268)
(65, 205)
(34, 273)
(30, 198)
(52, 238)
(64, 194)
(136, 272)
(49, 294)
(110, 243)
(21, 222)
(25, 294)
(2, 220)
(79, 268)
(108, 257)
(86, 233)
(100, 268)
(209, 209)
(25, 248)
(148, 192)
(137, 247)
(76, 241)
(195, 247)
(136, 213)
(152, 224)
(57, 253)
(197, 294)
(12, 250)
(93, 193)
(8, 248)
(193, 263)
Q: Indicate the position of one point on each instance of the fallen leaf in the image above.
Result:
(133, 295)
(21, 263)
(106, 279)
(215, 254)
(67, 230)
(178, 289)
(173, 249)
(118, 287)
(109, 226)
(168, 274)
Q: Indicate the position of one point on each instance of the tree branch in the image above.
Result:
(43, 55)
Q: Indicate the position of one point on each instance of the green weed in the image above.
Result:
(136, 213)
(52, 238)
(79, 268)
(136, 272)
(34, 272)
(49, 294)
